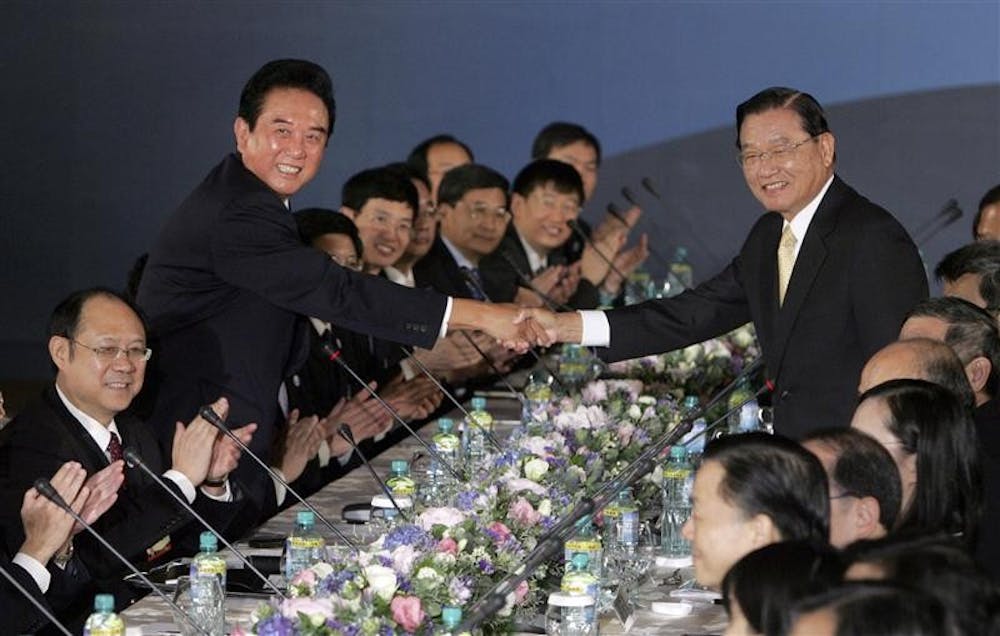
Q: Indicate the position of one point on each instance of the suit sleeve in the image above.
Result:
(255, 247)
(715, 307)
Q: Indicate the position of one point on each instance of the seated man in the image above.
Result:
(424, 228)
(865, 490)
(98, 345)
(750, 491)
(972, 272)
(986, 226)
(435, 156)
(918, 359)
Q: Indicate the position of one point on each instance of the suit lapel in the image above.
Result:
(807, 265)
(91, 454)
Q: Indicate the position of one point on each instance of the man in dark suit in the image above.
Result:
(826, 276)
(228, 281)
(98, 346)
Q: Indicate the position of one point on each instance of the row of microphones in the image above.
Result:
(948, 214)
(335, 356)
(347, 434)
(135, 460)
(43, 486)
(538, 358)
(212, 417)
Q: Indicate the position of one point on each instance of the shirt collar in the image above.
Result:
(801, 221)
(400, 277)
(536, 260)
(457, 255)
(321, 326)
(100, 434)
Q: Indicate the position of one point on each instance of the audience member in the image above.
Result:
(919, 359)
(836, 291)
(424, 228)
(382, 203)
(972, 272)
(864, 483)
(759, 590)
(97, 343)
(866, 609)
(436, 156)
(986, 226)
(932, 439)
(753, 490)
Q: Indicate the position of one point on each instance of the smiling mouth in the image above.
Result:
(284, 168)
(775, 186)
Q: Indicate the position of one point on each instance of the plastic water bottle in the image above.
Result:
(577, 599)
(304, 547)
(746, 418)
(104, 621)
(399, 481)
(637, 288)
(586, 541)
(208, 586)
(448, 446)
(694, 441)
(451, 618)
(534, 414)
(208, 562)
(681, 269)
(677, 480)
(621, 536)
(477, 424)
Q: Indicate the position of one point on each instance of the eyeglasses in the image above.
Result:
(568, 209)
(780, 154)
(109, 354)
(350, 262)
(429, 209)
(846, 494)
(481, 211)
(385, 221)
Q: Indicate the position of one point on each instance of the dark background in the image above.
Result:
(114, 111)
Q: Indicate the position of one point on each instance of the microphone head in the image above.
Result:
(43, 486)
(953, 210)
(647, 183)
(346, 432)
(211, 417)
(131, 457)
(612, 209)
(628, 195)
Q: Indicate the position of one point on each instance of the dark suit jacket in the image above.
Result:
(21, 616)
(45, 436)
(856, 276)
(988, 433)
(438, 270)
(226, 281)
(502, 280)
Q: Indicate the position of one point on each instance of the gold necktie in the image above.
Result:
(786, 261)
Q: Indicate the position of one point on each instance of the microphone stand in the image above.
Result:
(647, 185)
(348, 435)
(503, 379)
(34, 601)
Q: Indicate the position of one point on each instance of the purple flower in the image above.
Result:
(276, 625)
(467, 500)
(406, 535)
(334, 583)
(486, 567)
(344, 628)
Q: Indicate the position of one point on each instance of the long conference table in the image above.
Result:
(152, 616)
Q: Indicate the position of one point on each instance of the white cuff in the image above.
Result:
(183, 483)
(279, 488)
(407, 367)
(35, 569)
(323, 454)
(225, 497)
(447, 317)
(345, 458)
(596, 329)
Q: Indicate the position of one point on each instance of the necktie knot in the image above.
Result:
(114, 448)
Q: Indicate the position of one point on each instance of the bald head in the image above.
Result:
(918, 359)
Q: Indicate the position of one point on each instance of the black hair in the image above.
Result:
(65, 318)
(409, 172)
(774, 476)
(805, 105)
(379, 183)
(931, 423)
(992, 197)
(418, 156)
(766, 582)
(863, 468)
(559, 134)
(316, 222)
(887, 609)
(972, 332)
(301, 74)
(981, 258)
(542, 172)
(938, 565)
(471, 176)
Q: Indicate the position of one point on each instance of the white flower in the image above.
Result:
(519, 484)
(535, 468)
(716, 350)
(743, 337)
(646, 400)
(322, 570)
(403, 558)
(430, 577)
(692, 354)
(536, 446)
(634, 411)
(444, 516)
(545, 508)
(381, 580)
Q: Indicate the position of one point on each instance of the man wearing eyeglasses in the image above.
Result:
(825, 275)
(98, 346)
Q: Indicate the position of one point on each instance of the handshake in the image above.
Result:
(517, 328)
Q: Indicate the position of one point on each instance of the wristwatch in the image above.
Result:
(62, 558)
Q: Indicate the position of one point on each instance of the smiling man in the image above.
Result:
(825, 275)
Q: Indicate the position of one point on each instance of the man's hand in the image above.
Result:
(449, 355)
(365, 416)
(226, 455)
(46, 526)
(503, 322)
(611, 223)
(626, 262)
(299, 445)
(193, 444)
(103, 487)
(553, 327)
(413, 399)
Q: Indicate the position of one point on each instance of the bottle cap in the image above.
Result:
(690, 402)
(478, 403)
(451, 617)
(208, 542)
(446, 425)
(580, 560)
(678, 452)
(104, 603)
(305, 518)
(681, 253)
(399, 466)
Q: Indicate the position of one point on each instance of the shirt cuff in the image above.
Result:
(323, 455)
(35, 569)
(279, 489)
(345, 458)
(407, 367)
(596, 329)
(447, 317)
(182, 481)
(225, 497)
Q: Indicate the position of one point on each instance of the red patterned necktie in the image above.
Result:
(115, 448)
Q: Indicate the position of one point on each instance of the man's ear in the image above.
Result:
(763, 531)
(978, 371)
(241, 130)
(350, 213)
(59, 351)
(867, 517)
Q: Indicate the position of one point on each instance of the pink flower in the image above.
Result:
(305, 577)
(520, 592)
(501, 531)
(523, 513)
(448, 545)
(407, 612)
(317, 609)
(237, 631)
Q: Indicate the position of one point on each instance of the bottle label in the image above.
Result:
(482, 419)
(629, 525)
(401, 486)
(305, 543)
(446, 443)
(583, 545)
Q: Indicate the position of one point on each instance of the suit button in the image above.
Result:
(786, 394)
(423, 328)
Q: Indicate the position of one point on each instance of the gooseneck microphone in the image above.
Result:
(573, 225)
(34, 601)
(627, 193)
(613, 211)
(347, 434)
(482, 354)
(135, 460)
(334, 356)
(522, 276)
(212, 417)
(43, 486)
(648, 186)
(451, 398)
(949, 213)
